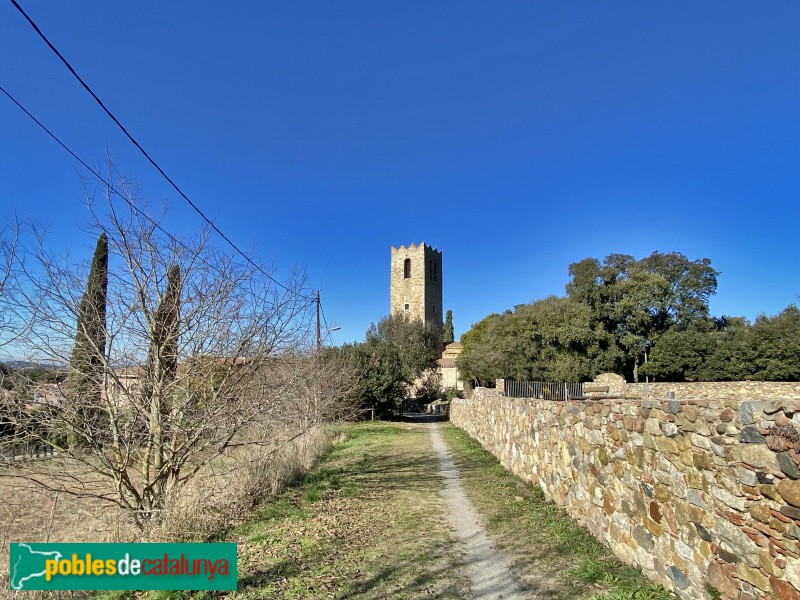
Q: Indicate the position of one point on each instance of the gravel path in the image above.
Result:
(489, 573)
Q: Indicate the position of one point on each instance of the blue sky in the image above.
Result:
(516, 137)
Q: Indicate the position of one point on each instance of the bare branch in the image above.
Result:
(199, 354)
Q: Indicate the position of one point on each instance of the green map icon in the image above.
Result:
(28, 565)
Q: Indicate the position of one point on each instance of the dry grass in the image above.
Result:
(368, 523)
(227, 490)
(220, 497)
(29, 513)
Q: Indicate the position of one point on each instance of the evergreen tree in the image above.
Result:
(551, 339)
(164, 344)
(637, 301)
(775, 346)
(162, 355)
(449, 334)
(396, 351)
(161, 369)
(85, 378)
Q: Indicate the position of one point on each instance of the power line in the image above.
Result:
(127, 200)
(84, 163)
(144, 152)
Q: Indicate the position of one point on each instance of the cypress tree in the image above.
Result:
(85, 379)
(161, 370)
(162, 357)
(449, 334)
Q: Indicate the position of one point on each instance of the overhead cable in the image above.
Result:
(130, 203)
(146, 155)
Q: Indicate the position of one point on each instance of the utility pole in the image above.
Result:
(319, 330)
(319, 326)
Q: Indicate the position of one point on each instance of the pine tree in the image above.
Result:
(449, 334)
(85, 379)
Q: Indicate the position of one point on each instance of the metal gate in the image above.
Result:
(543, 390)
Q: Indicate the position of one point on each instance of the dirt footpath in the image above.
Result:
(490, 575)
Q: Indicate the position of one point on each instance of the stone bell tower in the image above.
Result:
(415, 286)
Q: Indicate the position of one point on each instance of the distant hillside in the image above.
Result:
(26, 364)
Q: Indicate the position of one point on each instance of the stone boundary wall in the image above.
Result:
(707, 390)
(695, 492)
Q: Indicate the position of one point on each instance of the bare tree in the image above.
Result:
(9, 241)
(203, 351)
(9, 259)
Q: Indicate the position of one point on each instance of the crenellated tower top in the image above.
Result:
(416, 283)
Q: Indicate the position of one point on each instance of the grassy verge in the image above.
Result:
(556, 556)
(367, 523)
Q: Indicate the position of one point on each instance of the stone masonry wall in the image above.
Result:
(708, 390)
(692, 491)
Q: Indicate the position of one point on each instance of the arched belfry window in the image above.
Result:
(407, 268)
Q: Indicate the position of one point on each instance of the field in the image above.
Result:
(219, 498)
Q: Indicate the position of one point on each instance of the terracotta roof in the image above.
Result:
(446, 362)
(454, 345)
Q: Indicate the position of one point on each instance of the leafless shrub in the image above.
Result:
(228, 491)
(158, 404)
